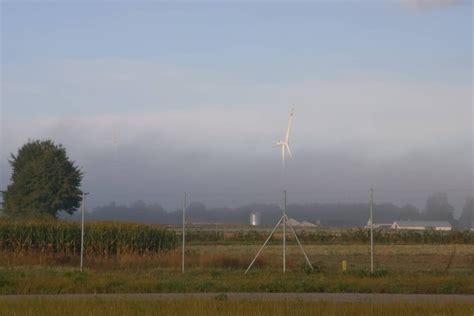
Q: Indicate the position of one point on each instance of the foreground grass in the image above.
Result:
(393, 258)
(222, 307)
(43, 280)
(219, 268)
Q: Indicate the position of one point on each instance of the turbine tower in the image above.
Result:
(285, 144)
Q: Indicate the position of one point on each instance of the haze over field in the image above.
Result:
(154, 99)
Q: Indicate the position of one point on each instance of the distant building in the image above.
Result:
(422, 225)
(294, 222)
(379, 225)
(255, 218)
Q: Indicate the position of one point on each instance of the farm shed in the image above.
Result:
(294, 222)
(422, 225)
(379, 225)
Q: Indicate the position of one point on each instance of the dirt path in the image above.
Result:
(333, 297)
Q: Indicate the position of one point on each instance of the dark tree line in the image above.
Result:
(467, 216)
(329, 214)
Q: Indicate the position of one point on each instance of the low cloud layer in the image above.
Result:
(403, 137)
(230, 167)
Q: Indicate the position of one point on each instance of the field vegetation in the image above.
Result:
(399, 269)
(221, 306)
(44, 280)
(59, 237)
(112, 238)
(314, 235)
(42, 257)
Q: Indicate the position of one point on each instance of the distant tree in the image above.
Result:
(409, 212)
(44, 182)
(438, 207)
(138, 206)
(138, 212)
(467, 216)
(197, 212)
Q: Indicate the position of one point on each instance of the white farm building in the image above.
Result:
(422, 225)
(294, 222)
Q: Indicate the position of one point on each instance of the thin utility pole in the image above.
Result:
(371, 231)
(284, 231)
(82, 228)
(183, 232)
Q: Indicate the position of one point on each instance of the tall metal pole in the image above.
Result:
(82, 228)
(284, 231)
(371, 231)
(183, 232)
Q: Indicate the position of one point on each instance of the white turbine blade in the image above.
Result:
(287, 136)
(283, 154)
(289, 151)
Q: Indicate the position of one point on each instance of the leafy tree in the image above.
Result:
(44, 182)
(409, 212)
(196, 211)
(438, 207)
(467, 216)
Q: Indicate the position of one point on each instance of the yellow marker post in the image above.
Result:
(344, 265)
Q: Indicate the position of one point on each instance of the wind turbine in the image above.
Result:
(285, 147)
(285, 144)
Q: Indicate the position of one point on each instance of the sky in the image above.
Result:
(152, 99)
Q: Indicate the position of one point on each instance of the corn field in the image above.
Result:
(391, 236)
(336, 237)
(100, 239)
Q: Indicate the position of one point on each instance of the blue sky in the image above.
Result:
(250, 42)
(255, 38)
(375, 82)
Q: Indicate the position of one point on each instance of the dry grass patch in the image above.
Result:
(222, 307)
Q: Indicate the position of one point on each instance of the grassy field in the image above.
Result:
(222, 307)
(325, 258)
(45, 280)
(427, 268)
(220, 268)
